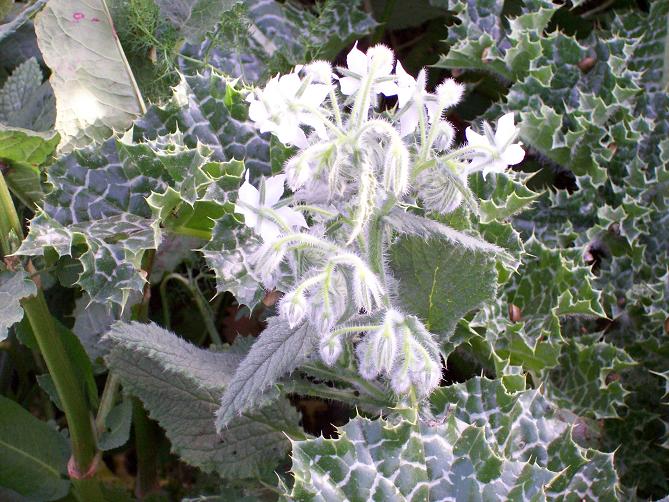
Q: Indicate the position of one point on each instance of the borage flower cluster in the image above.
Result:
(324, 245)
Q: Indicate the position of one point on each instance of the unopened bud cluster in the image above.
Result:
(323, 246)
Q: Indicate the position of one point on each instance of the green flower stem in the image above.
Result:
(352, 378)
(331, 393)
(79, 419)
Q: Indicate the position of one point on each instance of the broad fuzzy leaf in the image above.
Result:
(279, 350)
(14, 286)
(181, 387)
(33, 455)
(440, 282)
(95, 90)
(25, 101)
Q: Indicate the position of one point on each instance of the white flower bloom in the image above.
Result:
(378, 59)
(282, 106)
(411, 94)
(261, 215)
(497, 151)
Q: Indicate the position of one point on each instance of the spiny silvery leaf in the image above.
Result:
(99, 200)
(181, 387)
(525, 426)
(14, 286)
(25, 101)
(228, 254)
(279, 350)
(283, 31)
(194, 18)
(407, 458)
(96, 93)
(207, 109)
(587, 379)
(91, 321)
(502, 197)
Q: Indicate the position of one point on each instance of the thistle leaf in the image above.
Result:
(14, 286)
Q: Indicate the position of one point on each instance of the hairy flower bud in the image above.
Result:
(438, 190)
(396, 168)
(330, 349)
(367, 290)
(294, 307)
(444, 135)
(449, 93)
(266, 261)
(366, 361)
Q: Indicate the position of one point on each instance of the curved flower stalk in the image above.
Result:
(324, 245)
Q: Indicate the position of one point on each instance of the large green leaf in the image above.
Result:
(14, 286)
(25, 101)
(33, 455)
(181, 387)
(95, 90)
(441, 281)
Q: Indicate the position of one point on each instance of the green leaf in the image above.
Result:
(278, 351)
(33, 456)
(117, 426)
(588, 378)
(282, 34)
(20, 19)
(95, 90)
(441, 281)
(13, 287)
(181, 387)
(195, 18)
(26, 102)
(26, 147)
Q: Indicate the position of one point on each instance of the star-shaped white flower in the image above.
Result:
(360, 64)
(282, 106)
(497, 151)
(251, 204)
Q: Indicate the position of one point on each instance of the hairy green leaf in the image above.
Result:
(181, 387)
(278, 351)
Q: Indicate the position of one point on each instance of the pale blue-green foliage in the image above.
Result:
(181, 387)
(481, 444)
(14, 286)
(281, 33)
(597, 106)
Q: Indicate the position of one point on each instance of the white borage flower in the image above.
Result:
(438, 189)
(497, 150)
(284, 104)
(330, 349)
(260, 211)
(294, 307)
(379, 60)
(412, 99)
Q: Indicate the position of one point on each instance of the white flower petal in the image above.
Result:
(274, 187)
(315, 94)
(267, 230)
(349, 85)
(505, 129)
(289, 85)
(291, 217)
(409, 121)
(513, 155)
(357, 61)
(475, 139)
(388, 88)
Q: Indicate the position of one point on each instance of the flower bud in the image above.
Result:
(438, 190)
(294, 307)
(266, 261)
(320, 71)
(367, 290)
(366, 362)
(383, 343)
(449, 93)
(443, 138)
(330, 349)
(396, 168)
(400, 380)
